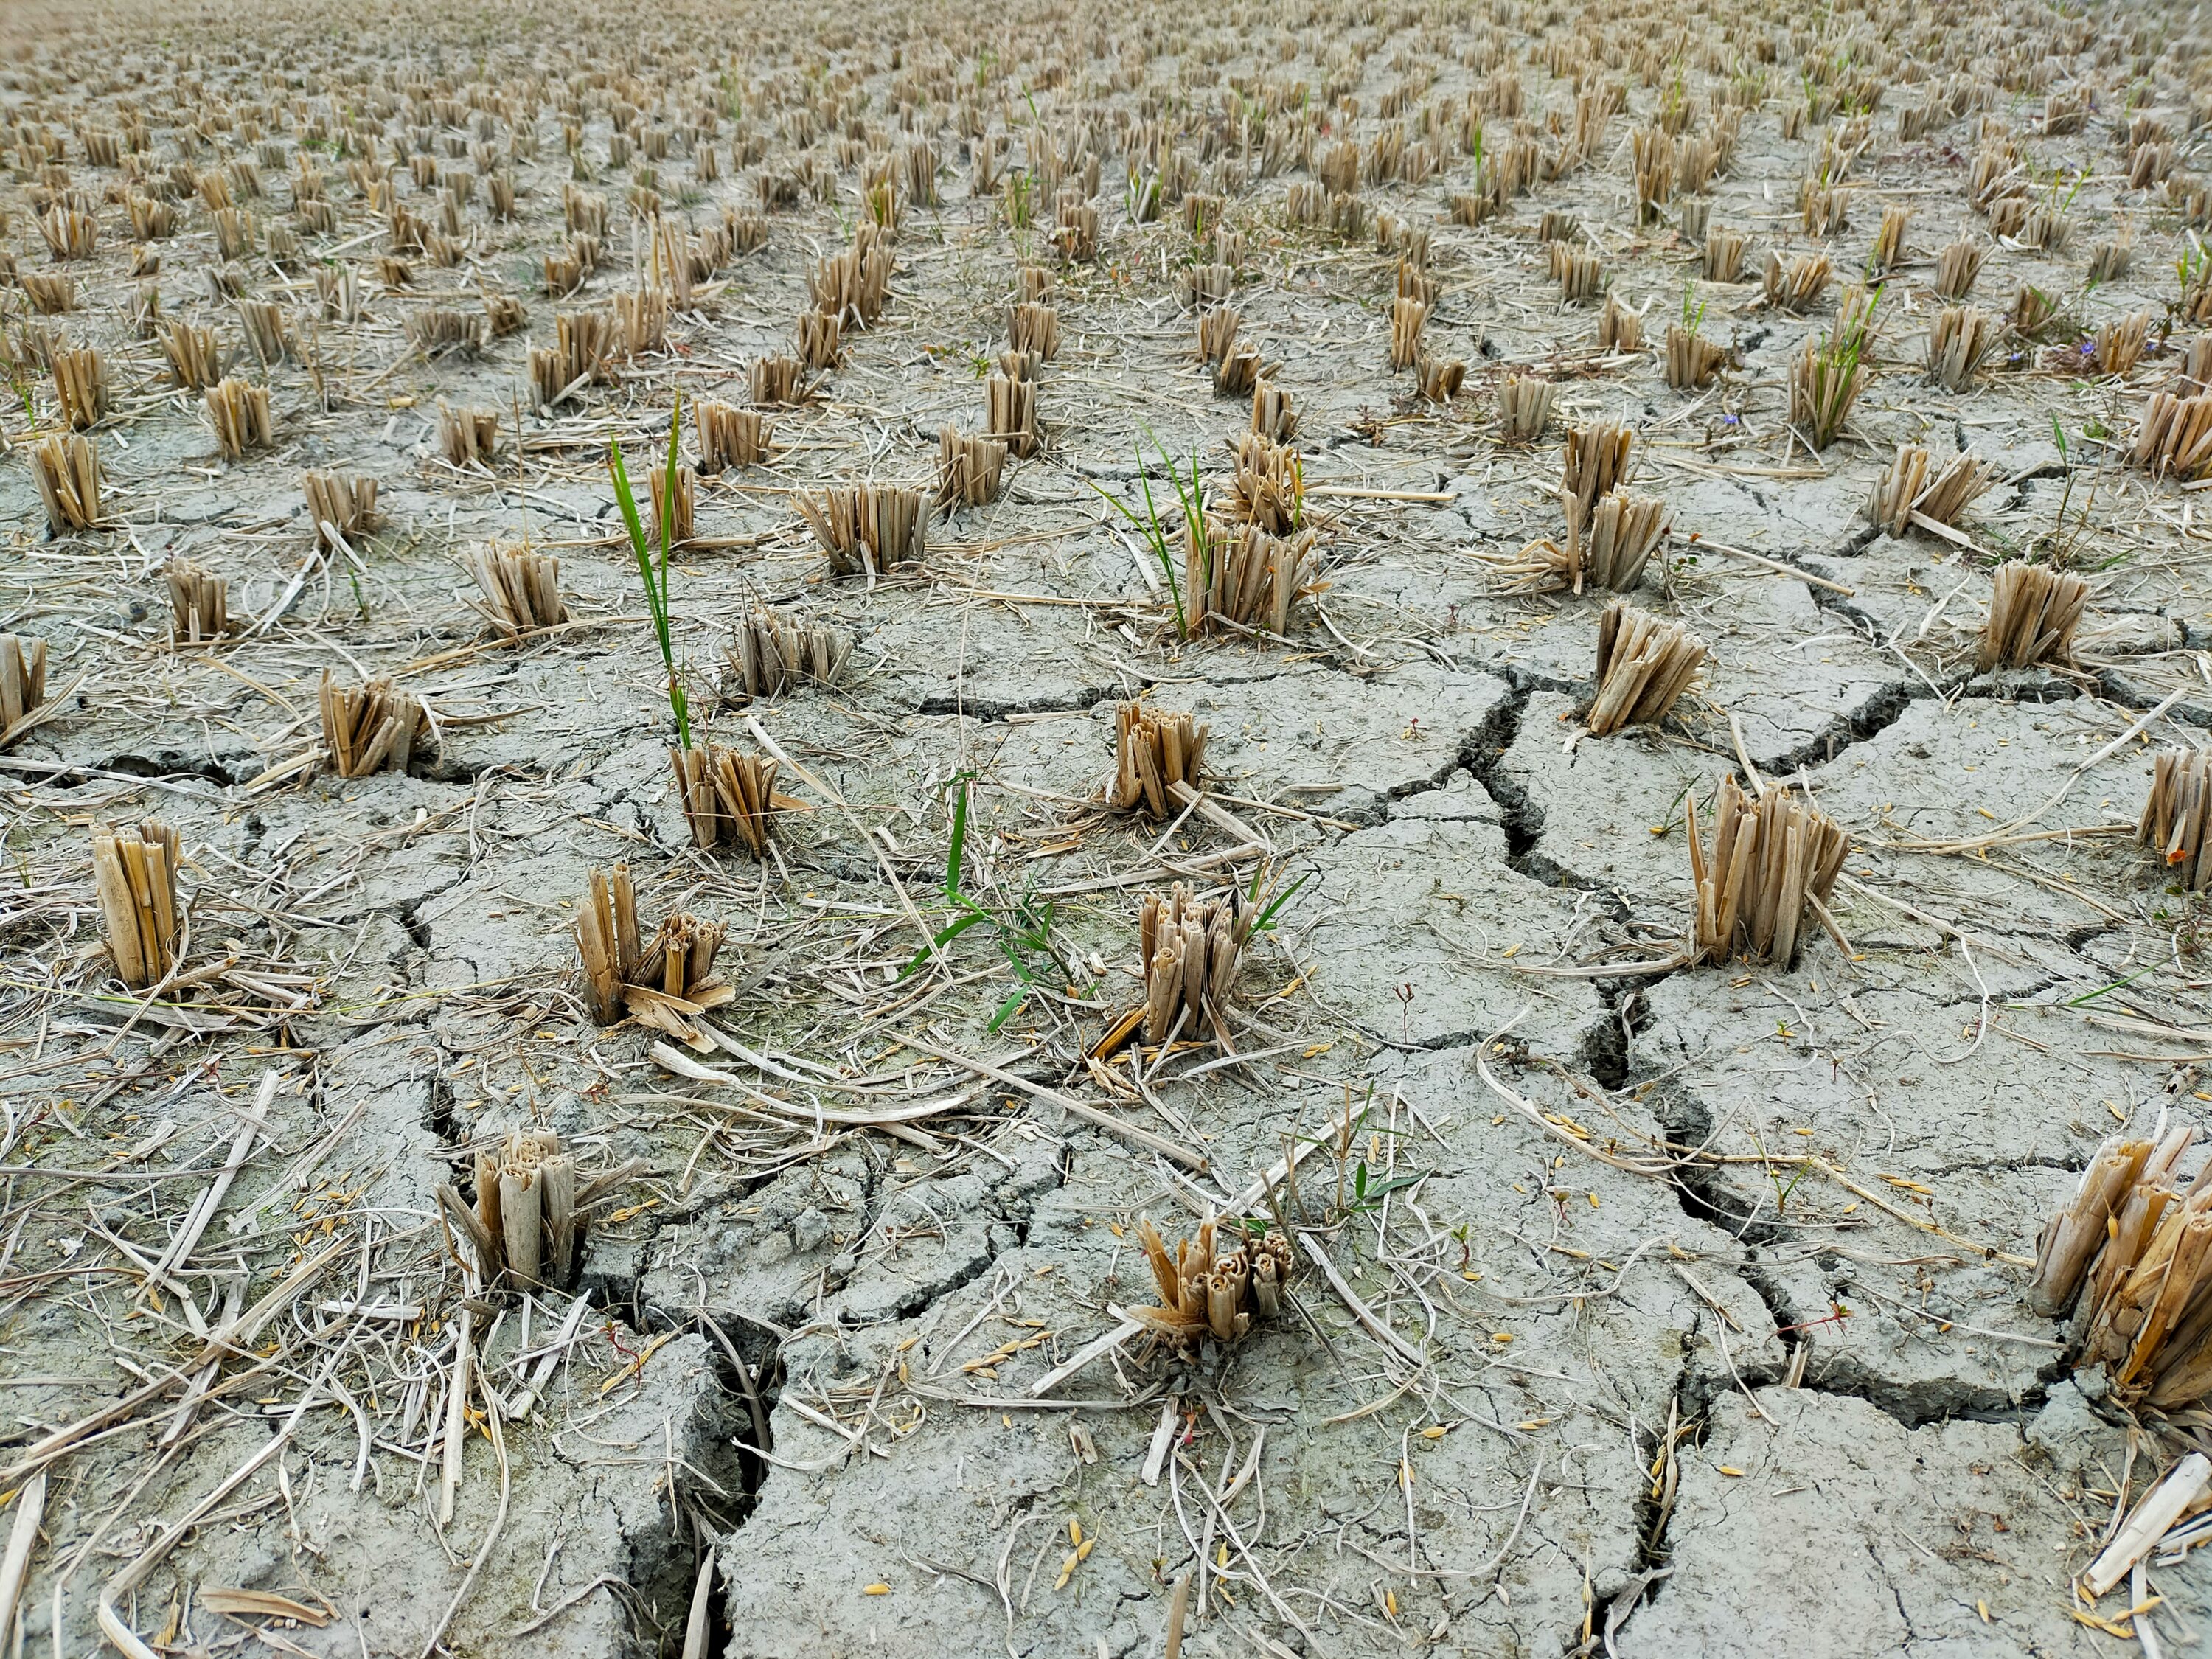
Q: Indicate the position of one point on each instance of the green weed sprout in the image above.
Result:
(656, 579)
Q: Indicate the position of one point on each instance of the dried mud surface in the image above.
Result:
(1783, 1395)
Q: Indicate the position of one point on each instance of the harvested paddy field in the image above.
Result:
(1357, 828)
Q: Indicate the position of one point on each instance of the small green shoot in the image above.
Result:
(656, 580)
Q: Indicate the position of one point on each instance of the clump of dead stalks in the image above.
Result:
(520, 590)
(623, 976)
(867, 528)
(1524, 406)
(2033, 611)
(969, 469)
(2131, 1253)
(1774, 857)
(1904, 494)
(526, 1227)
(467, 437)
(2174, 817)
(340, 506)
(1157, 759)
(368, 728)
(22, 683)
(67, 468)
(1211, 1286)
(1192, 949)
(730, 436)
(728, 797)
(770, 651)
(1244, 575)
(1643, 664)
(199, 601)
(134, 871)
(2175, 437)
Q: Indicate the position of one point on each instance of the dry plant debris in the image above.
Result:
(1883, 306)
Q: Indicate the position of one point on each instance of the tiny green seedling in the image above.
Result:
(1022, 933)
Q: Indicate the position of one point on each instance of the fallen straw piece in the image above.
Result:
(2157, 1511)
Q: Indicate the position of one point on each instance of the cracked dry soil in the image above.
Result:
(1779, 1394)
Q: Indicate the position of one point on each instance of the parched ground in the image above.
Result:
(1643, 1309)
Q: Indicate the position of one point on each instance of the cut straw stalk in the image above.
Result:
(135, 872)
(730, 436)
(199, 601)
(2133, 1246)
(2175, 814)
(867, 527)
(1773, 857)
(969, 469)
(527, 1223)
(520, 590)
(1643, 664)
(22, 679)
(467, 437)
(728, 796)
(1191, 949)
(769, 652)
(1214, 1285)
(368, 728)
(1153, 752)
(617, 965)
(339, 502)
(67, 468)
(1904, 492)
(2033, 611)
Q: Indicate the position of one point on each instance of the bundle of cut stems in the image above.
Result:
(1153, 753)
(619, 965)
(199, 600)
(2133, 1249)
(67, 468)
(769, 652)
(527, 1223)
(1207, 1290)
(22, 679)
(135, 872)
(728, 796)
(867, 527)
(1245, 576)
(1268, 487)
(1774, 856)
(521, 590)
(369, 727)
(968, 469)
(341, 502)
(729, 436)
(2174, 818)
(2033, 611)
(1192, 949)
(1904, 492)
(1643, 664)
